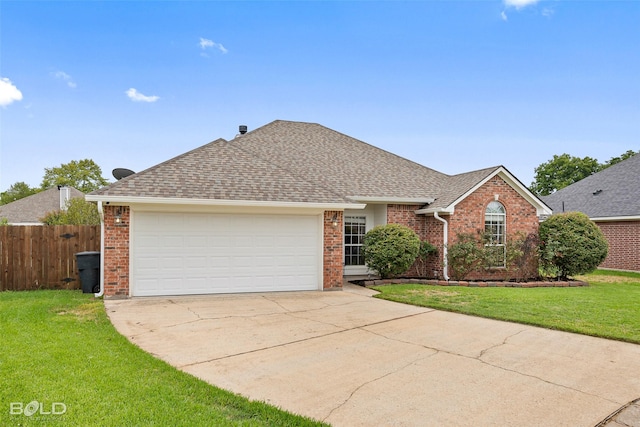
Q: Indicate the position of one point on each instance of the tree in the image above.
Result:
(564, 170)
(390, 249)
(78, 212)
(570, 244)
(85, 175)
(624, 156)
(561, 171)
(17, 191)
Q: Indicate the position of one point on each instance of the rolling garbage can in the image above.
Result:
(89, 270)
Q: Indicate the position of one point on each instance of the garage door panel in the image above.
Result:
(178, 253)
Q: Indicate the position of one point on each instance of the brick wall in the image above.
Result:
(116, 251)
(468, 217)
(332, 254)
(427, 228)
(624, 244)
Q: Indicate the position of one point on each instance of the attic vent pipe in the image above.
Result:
(242, 129)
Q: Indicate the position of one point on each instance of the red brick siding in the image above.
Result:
(427, 228)
(434, 234)
(333, 252)
(405, 215)
(468, 217)
(116, 251)
(624, 244)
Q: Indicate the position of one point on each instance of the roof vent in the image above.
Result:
(595, 193)
(242, 129)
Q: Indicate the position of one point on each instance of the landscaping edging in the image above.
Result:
(478, 284)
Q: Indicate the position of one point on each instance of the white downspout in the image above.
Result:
(445, 232)
(99, 294)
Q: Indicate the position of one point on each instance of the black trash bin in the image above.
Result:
(89, 270)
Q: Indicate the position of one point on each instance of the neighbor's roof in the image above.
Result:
(610, 193)
(31, 209)
(287, 161)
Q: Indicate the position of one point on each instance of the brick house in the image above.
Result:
(285, 207)
(610, 198)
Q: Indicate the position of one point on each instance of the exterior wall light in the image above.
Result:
(334, 220)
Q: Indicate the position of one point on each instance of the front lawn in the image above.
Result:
(608, 308)
(63, 363)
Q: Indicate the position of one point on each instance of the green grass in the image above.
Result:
(608, 308)
(59, 346)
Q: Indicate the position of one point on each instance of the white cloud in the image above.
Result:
(205, 43)
(61, 75)
(547, 12)
(136, 96)
(503, 15)
(519, 4)
(8, 92)
(210, 44)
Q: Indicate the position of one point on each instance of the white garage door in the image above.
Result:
(186, 253)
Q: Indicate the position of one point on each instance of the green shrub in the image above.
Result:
(78, 212)
(473, 253)
(571, 244)
(522, 256)
(465, 255)
(427, 250)
(390, 249)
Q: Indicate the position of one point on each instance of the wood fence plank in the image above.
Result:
(4, 258)
(33, 257)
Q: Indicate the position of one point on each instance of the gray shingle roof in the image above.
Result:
(31, 209)
(293, 162)
(612, 192)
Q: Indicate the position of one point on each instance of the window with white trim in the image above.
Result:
(495, 233)
(355, 227)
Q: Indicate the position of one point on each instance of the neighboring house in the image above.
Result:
(611, 198)
(284, 208)
(30, 210)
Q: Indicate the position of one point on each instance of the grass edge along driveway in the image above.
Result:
(608, 308)
(63, 363)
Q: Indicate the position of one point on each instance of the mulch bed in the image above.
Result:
(476, 284)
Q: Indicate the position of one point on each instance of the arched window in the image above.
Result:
(495, 232)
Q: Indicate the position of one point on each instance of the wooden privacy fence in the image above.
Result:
(43, 257)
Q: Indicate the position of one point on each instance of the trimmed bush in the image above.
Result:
(465, 255)
(390, 249)
(571, 244)
(472, 253)
(425, 254)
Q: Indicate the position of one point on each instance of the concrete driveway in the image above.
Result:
(352, 360)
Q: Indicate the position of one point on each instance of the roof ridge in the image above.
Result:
(244, 148)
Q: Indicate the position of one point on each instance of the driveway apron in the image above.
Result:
(351, 360)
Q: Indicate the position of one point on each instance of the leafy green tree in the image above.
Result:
(78, 212)
(85, 175)
(561, 171)
(624, 156)
(570, 243)
(390, 249)
(564, 170)
(17, 191)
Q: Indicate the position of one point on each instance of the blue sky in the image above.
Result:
(453, 85)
